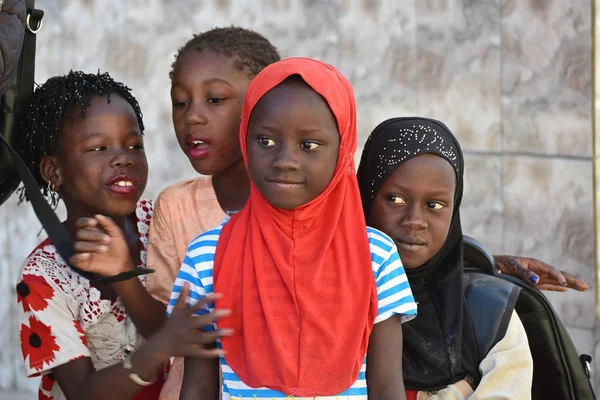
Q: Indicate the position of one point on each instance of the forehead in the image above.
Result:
(195, 66)
(100, 114)
(293, 97)
(426, 171)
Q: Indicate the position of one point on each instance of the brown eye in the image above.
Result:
(215, 100)
(266, 142)
(309, 145)
(396, 199)
(435, 205)
(179, 104)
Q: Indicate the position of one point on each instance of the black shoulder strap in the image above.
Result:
(55, 230)
(491, 301)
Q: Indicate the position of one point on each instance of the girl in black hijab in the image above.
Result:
(411, 183)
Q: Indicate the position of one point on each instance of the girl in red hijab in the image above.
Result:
(316, 299)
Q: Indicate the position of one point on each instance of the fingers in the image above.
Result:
(204, 337)
(82, 223)
(575, 283)
(552, 287)
(547, 272)
(80, 259)
(529, 276)
(109, 226)
(205, 301)
(90, 247)
(515, 267)
(89, 235)
(184, 296)
(201, 352)
(208, 319)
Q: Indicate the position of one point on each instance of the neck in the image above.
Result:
(74, 213)
(232, 187)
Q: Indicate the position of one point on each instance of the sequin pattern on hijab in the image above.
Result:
(440, 346)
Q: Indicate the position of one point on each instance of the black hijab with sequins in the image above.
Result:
(440, 347)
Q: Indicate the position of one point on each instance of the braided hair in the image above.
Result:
(58, 99)
(252, 52)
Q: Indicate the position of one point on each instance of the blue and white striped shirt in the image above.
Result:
(393, 294)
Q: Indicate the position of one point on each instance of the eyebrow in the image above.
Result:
(436, 192)
(100, 134)
(208, 81)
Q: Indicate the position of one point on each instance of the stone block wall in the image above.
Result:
(511, 78)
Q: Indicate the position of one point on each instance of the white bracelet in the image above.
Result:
(133, 376)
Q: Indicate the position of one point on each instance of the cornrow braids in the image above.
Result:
(252, 51)
(58, 99)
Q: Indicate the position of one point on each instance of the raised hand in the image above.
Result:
(182, 334)
(542, 275)
(101, 247)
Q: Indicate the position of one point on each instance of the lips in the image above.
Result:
(197, 146)
(410, 243)
(284, 184)
(123, 184)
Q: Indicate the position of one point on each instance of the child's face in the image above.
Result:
(414, 207)
(293, 143)
(101, 160)
(207, 93)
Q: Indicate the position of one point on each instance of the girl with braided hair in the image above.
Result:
(82, 140)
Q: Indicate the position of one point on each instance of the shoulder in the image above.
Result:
(145, 209)
(379, 241)
(205, 242)
(44, 253)
(383, 252)
(143, 214)
(44, 266)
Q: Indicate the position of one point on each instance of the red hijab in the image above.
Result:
(299, 282)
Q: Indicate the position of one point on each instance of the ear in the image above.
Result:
(50, 171)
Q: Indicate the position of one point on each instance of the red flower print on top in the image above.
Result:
(82, 336)
(48, 381)
(42, 396)
(34, 293)
(38, 343)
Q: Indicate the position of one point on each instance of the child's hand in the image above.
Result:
(100, 247)
(542, 275)
(182, 334)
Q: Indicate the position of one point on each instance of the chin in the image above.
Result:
(119, 209)
(408, 262)
(279, 202)
(205, 167)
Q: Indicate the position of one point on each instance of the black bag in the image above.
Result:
(14, 102)
(13, 170)
(559, 372)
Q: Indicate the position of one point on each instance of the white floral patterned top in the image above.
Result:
(63, 318)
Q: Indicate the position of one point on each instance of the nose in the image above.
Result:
(286, 158)
(196, 114)
(123, 159)
(413, 217)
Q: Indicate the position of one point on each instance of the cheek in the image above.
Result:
(178, 119)
(440, 229)
(324, 169)
(380, 218)
(255, 161)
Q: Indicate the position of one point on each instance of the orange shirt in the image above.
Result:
(181, 212)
